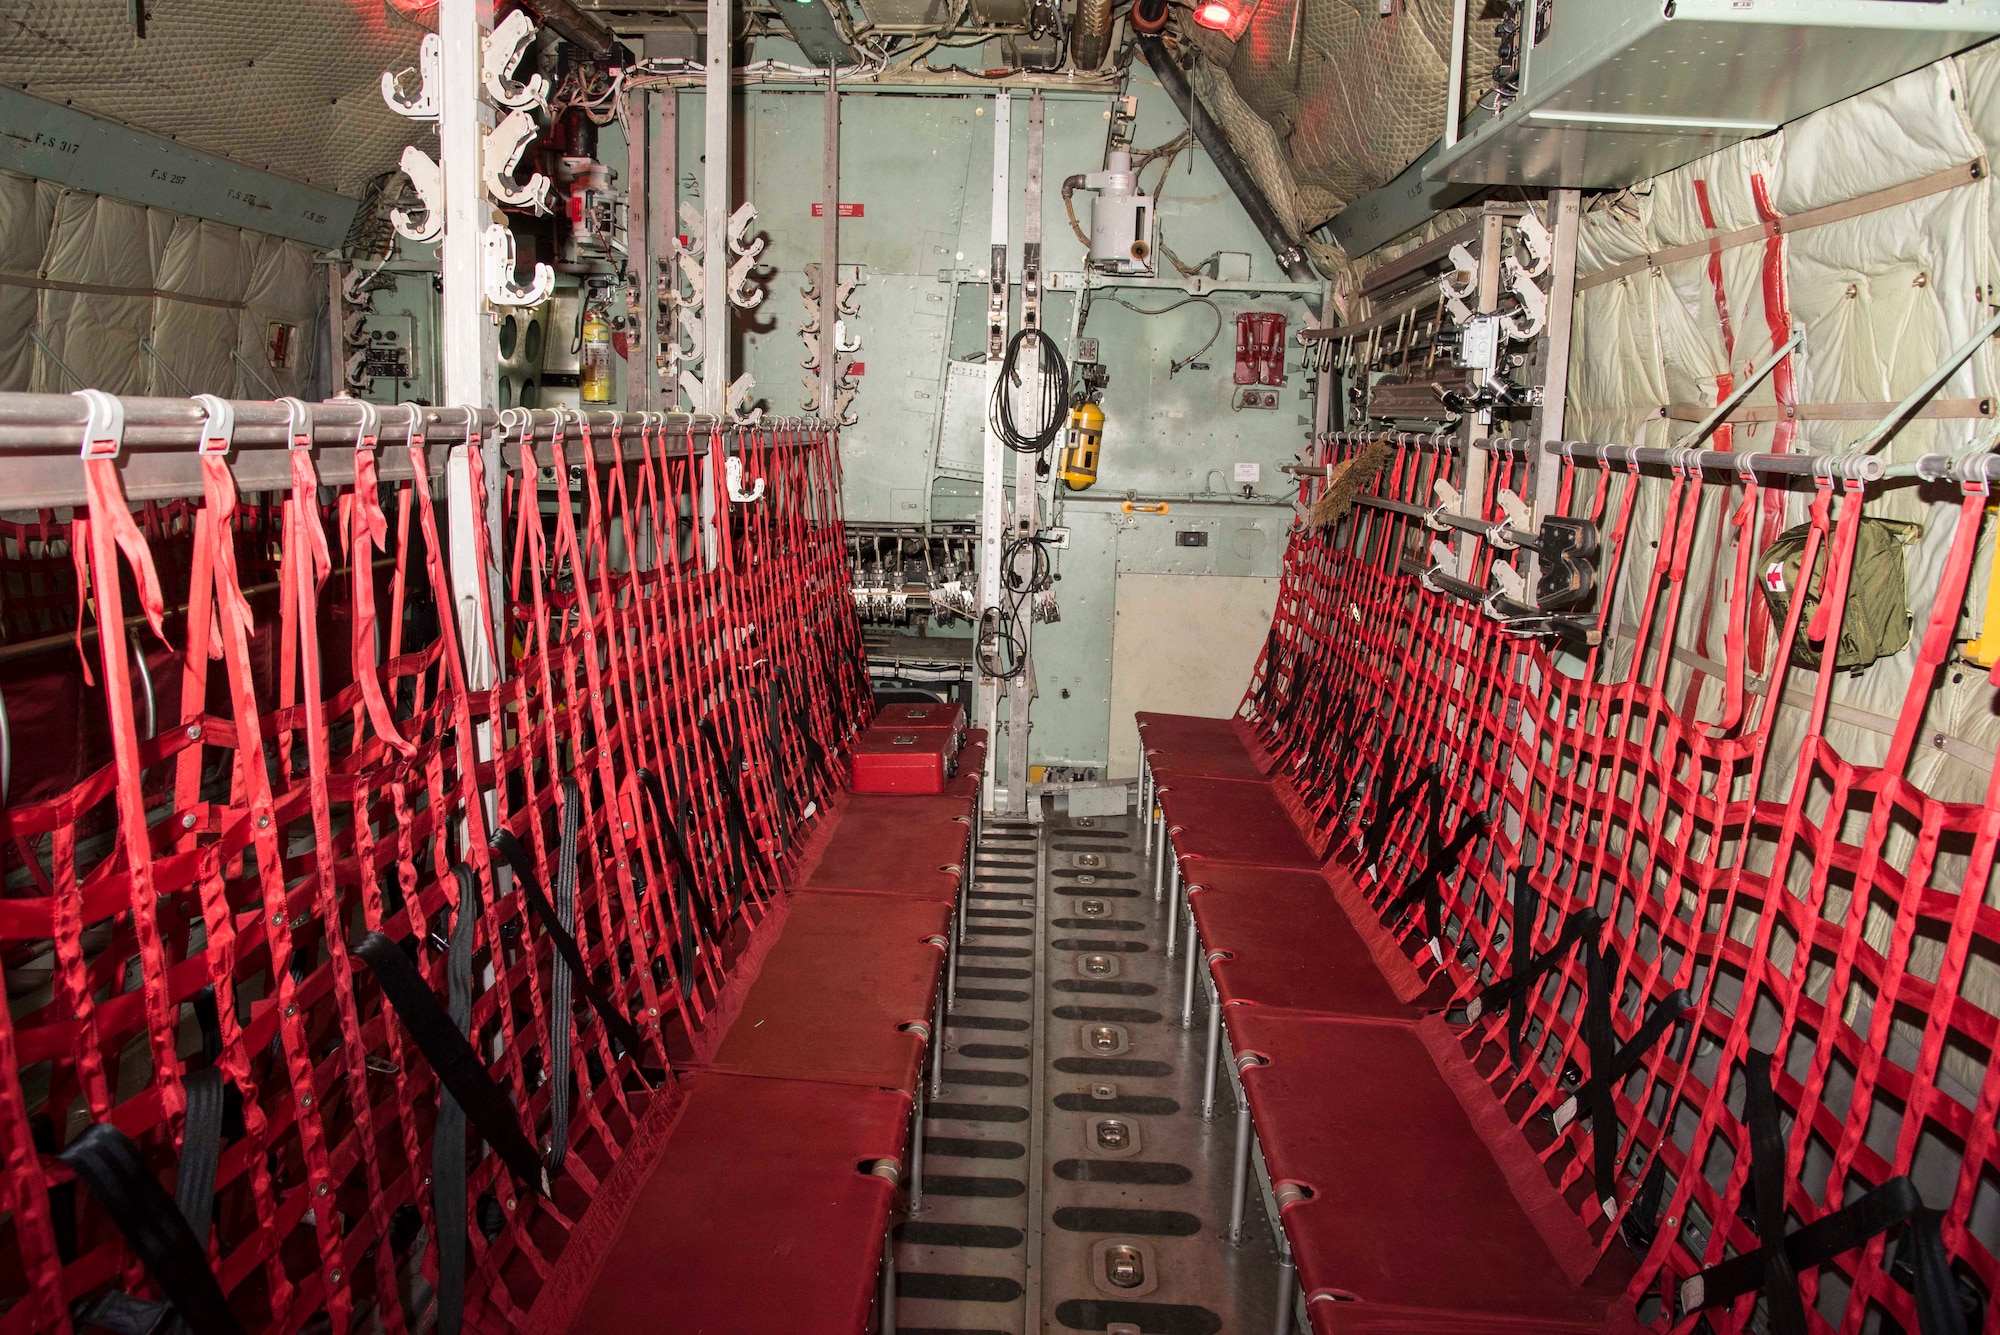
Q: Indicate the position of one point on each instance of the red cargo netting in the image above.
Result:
(1689, 894)
(252, 904)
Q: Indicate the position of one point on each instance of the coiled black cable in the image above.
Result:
(1054, 406)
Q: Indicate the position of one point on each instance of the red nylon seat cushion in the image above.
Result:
(1232, 820)
(757, 1216)
(1188, 744)
(1290, 944)
(971, 766)
(1410, 1216)
(847, 972)
(890, 844)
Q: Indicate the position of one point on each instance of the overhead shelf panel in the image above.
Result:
(1615, 91)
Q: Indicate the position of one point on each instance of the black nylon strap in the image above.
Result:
(1386, 812)
(615, 1021)
(445, 1045)
(1428, 888)
(1610, 1063)
(448, 1141)
(1526, 968)
(1939, 1311)
(201, 1151)
(105, 1160)
(689, 907)
(774, 742)
(736, 815)
(1787, 1314)
(562, 977)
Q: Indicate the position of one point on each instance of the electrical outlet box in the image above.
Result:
(1479, 343)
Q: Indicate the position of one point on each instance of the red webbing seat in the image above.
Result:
(894, 844)
(760, 1215)
(971, 766)
(1285, 942)
(1232, 820)
(834, 998)
(1189, 744)
(1409, 1225)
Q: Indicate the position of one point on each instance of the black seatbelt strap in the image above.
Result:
(693, 913)
(443, 1039)
(616, 1022)
(1774, 1267)
(1377, 832)
(1526, 968)
(448, 1141)
(774, 742)
(1265, 688)
(1428, 888)
(735, 814)
(1610, 1064)
(176, 1258)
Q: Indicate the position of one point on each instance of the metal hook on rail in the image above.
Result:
(145, 673)
(218, 423)
(732, 469)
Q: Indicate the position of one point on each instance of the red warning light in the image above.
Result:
(1214, 14)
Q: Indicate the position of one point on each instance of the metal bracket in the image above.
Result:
(697, 228)
(1516, 510)
(1537, 240)
(428, 180)
(505, 46)
(743, 294)
(740, 222)
(429, 69)
(505, 143)
(732, 471)
(1533, 302)
(218, 424)
(497, 256)
(739, 393)
(1455, 297)
(104, 430)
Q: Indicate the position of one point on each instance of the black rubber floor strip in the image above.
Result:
(1111, 987)
(959, 1147)
(1140, 1105)
(994, 1052)
(925, 1234)
(1118, 1066)
(1000, 1022)
(991, 1188)
(1153, 1318)
(974, 1112)
(1133, 1172)
(972, 1075)
(1148, 1223)
(1103, 1014)
(1083, 943)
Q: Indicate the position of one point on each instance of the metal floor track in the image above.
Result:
(1070, 1183)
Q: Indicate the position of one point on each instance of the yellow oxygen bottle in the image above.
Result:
(1086, 437)
(596, 359)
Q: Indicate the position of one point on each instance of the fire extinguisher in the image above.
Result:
(595, 361)
(1086, 428)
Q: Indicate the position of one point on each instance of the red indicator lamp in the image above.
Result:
(1215, 14)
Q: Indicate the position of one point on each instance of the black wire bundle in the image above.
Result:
(1054, 407)
(1017, 595)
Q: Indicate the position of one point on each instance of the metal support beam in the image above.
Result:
(1566, 210)
(641, 376)
(829, 251)
(1454, 89)
(993, 482)
(1473, 485)
(76, 149)
(715, 206)
(1027, 484)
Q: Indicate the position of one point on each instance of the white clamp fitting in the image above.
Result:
(1455, 297)
(732, 472)
(218, 423)
(1448, 496)
(1534, 305)
(425, 175)
(424, 106)
(696, 227)
(740, 223)
(690, 268)
(694, 328)
(736, 401)
(497, 254)
(743, 294)
(1512, 586)
(505, 143)
(298, 423)
(104, 427)
(1516, 510)
(844, 341)
(504, 47)
(1442, 555)
(1537, 241)
(355, 370)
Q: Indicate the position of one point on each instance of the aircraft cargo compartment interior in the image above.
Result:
(852, 667)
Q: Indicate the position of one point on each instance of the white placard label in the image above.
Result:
(1249, 472)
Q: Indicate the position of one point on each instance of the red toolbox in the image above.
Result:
(905, 760)
(905, 717)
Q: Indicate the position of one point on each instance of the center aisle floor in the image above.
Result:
(1070, 1182)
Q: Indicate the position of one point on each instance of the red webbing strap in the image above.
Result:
(366, 528)
(113, 535)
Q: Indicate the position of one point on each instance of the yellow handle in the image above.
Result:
(1985, 650)
(1160, 509)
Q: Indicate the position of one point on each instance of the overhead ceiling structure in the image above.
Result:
(1326, 100)
(288, 86)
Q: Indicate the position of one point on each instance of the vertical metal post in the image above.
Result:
(1566, 216)
(1193, 949)
(1160, 867)
(1173, 907)
(992, 496)
(917, 1151)
(1214, 1050)
(1027, 482)
(1480, 425)
(829, 250)
(470, 350)
(663, 197)
(715, 204)
(937, 1049)
(889, 1284)
(1288, 1284)
(642, 378)
(1454, 93)
(1146, 796)
(466, 331)
(1240, 1183)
